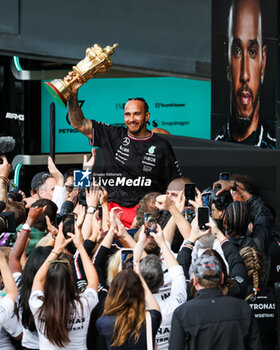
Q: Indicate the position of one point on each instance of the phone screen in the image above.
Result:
(127, 258)
(68, 223)
(203, 217)
(225, 176)
(189, 193)
(150, 221)
(206, 198)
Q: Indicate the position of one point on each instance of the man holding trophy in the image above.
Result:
(135, 161)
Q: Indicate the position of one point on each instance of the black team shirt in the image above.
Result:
(132, 167)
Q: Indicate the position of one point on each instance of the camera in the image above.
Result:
(7, 229)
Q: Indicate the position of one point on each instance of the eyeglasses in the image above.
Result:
(69, 188)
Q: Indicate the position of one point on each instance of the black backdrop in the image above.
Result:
(157, 35)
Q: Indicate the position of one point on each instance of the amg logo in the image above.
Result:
(15, 116)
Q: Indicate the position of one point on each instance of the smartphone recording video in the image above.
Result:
(203, 217)
(126, 258)
(150, 223)
(68, 224)
(189, 193)
(225, 176)
(206, 196)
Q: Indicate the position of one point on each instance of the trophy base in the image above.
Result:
(56, 94)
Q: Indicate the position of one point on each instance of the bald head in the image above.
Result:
(176, 186)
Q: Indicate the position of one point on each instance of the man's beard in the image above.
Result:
(240, 122)
(140, 128)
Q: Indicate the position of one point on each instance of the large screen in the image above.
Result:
(244, 72)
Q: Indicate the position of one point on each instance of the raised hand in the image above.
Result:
(76, 85)
(163, 202)
(89, 163)
(61, 242)
(56, 174)
(33, 214)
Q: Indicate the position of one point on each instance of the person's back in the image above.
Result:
(212, 320)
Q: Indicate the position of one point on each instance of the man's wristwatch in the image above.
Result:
(26, 227)
(91, 210)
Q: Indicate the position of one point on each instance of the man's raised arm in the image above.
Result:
(77, 119)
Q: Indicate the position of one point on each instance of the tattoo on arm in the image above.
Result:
(77, 119)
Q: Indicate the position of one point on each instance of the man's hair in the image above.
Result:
(50, 211)
(246, 181)
(39, 180)
(19, 210)
(237, 219)
(146, 107)
(230, 28)
(68, 173)
(151, 271)
(213, 282)
(147, 205)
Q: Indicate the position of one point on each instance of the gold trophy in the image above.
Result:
(97, 60)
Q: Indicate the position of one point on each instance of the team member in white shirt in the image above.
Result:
(170, 296)
(61, 315)
(8, 302)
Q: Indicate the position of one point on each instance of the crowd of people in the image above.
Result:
(66, 286)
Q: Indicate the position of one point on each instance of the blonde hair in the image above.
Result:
(254, 261)
(126, 301)
(113, 266)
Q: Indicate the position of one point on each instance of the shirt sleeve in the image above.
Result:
(17, 277)
(178, 293)
(173, 166)
(91, 297)
(237, 270)
(58, 196)
(101, 133)
(13, 326)
(262, 221)
(184, 258)
(34, 302)
(6, 309)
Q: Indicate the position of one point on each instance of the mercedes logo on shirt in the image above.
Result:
(126, 141)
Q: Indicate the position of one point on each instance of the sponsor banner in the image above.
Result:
(180, 106)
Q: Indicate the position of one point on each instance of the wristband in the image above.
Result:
(91, 210)
(242, 195)
(26, 227)
(55, 252)
(188, 246)
(187, 242)
(234, 188)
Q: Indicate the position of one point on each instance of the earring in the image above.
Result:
(262, 77)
